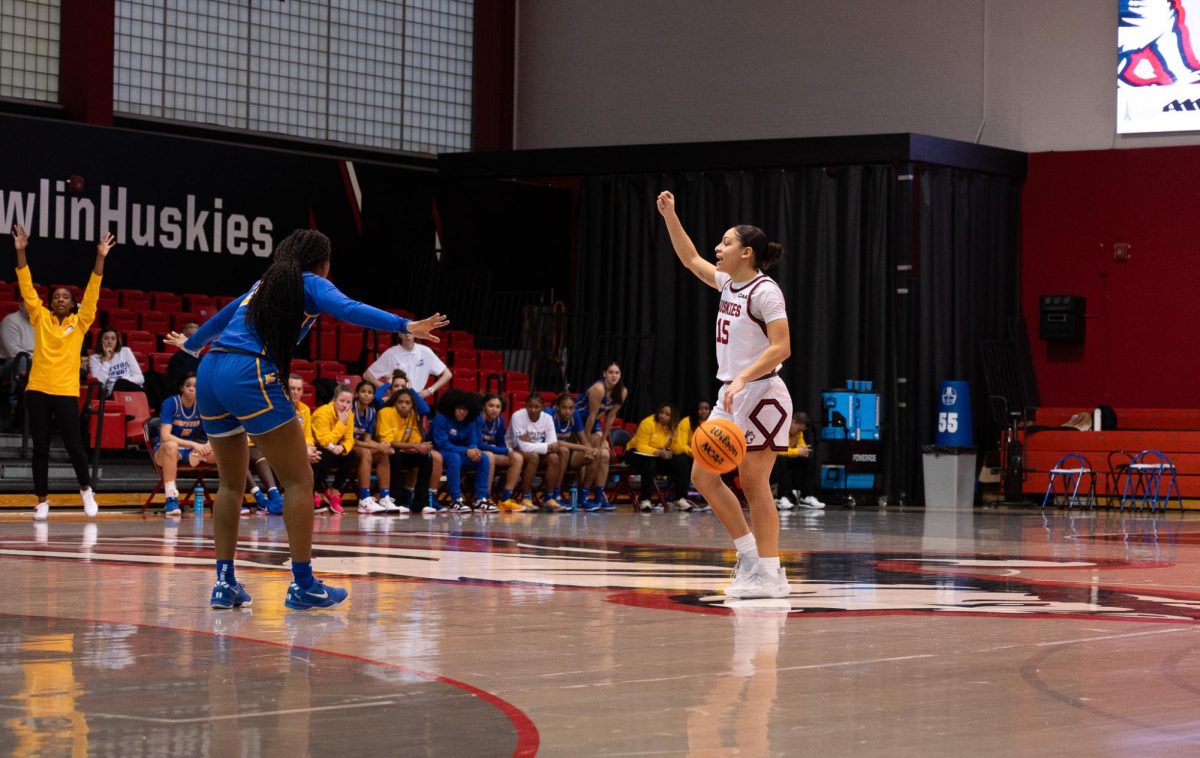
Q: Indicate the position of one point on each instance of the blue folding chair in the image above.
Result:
(1071, 470)
(1144, 482)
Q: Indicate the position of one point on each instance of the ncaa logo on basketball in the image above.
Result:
(949, 397)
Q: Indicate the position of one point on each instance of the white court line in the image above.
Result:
(893, 659)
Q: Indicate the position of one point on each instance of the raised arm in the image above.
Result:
(684, 248)
(207, 332)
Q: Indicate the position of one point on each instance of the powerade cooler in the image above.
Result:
(850, 439)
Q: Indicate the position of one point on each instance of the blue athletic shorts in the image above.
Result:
(185, 454)
(238, 392)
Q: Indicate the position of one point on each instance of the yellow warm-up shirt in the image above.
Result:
(57, 346)
(305, 415)
(683, 437)
(389, 427)
(794, 446)
(652, 436)
(327, 430)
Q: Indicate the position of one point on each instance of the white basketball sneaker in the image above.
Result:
(784, 504)
(740, 575)
(90, 509)
(810, 502)
(42, 511)
(389, 504)
(761, 584)
(370, 505)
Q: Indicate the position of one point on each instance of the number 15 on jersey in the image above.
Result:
(722, 331)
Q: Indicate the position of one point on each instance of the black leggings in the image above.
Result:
(679, 467)
(63, 411)
(342, 467)
(791, 474)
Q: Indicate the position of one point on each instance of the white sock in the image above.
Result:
(170, 489)
(747, 546)
(254, 490)
(45, 503)
(770, 566)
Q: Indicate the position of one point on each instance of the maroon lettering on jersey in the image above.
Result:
(731, 309)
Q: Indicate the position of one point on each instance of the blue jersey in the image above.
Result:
(230, 329)
(583, 408)
(452, 435)
(566, 428)
(491, 435)
(364, 422)
(185, 422)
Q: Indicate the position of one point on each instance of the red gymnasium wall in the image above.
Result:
(1142, 346)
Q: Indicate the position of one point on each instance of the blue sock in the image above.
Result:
(507, 495)
(225, 572)
(556, 494)
(384, 492)
(597, 492)
(363, 493)
(408, 497)
(302, 574)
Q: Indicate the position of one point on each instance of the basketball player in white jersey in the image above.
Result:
(753, 339)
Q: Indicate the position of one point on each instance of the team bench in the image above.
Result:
(1172, 431)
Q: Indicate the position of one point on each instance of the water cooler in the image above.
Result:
(849, 449)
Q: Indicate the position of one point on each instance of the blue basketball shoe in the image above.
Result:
(317, 596)
(225, 595)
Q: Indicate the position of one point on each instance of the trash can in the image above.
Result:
(949, 464)
(949, 477)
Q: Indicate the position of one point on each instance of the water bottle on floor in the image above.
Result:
(574, 497)
(198, 498)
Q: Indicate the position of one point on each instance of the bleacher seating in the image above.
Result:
(154, 322)
(330, 369)
(141, 341)
(121, 319)
(181, 318)
(166, 302)
(134, 300)
(350, 342)
(304, 369)
(1175, 432)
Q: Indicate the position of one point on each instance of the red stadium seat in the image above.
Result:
(141, 341)
(143, 360)
(109, 300)
(8, 291)
(548, 398)
(464, 359)
(491, 381)
(516, 381)
(459, 340)
(43, 292)
(309, 396)
(159, 361)
(467, 380)
(351, 379)
(121, 319)
(381, 341)
(167, 302)
(330, 369)
(154, 322)
(517, 399)
(8, 306)
(491, 361)
(113, 433)
(323, 341)
(350, 342)
(179, 319)
(204, 305)
(304, 369)
(137, 410)
(134, 300)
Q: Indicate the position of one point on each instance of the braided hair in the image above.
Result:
(276, 312)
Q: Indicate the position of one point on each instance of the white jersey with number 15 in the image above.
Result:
(745, 310)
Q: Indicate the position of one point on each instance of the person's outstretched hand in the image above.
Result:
(423, 329)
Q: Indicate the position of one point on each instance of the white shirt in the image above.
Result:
(420, 363)
(123, 365)
(745, 310)
(540, 433)
(16, 335)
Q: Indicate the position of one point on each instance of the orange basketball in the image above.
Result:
(719, 445)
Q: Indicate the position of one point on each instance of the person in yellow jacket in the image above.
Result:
(333, 433)
(790, 474)
(52, 394)
(399, 425)
(654, 450)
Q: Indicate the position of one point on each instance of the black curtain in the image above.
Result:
(968, 267)
(893, 276)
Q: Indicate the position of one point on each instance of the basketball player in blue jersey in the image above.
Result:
(241, 391)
